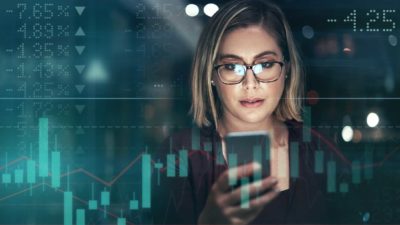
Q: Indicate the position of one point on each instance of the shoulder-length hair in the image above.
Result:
(206, 106)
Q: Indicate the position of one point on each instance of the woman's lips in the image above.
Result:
(251, 103)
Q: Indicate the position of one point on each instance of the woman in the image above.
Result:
(246, 76)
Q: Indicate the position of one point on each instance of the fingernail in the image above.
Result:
(258, 183)
(256, 166)
(274, 180)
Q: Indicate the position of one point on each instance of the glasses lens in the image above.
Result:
(231, 73)
(257, 69)
(267, 71)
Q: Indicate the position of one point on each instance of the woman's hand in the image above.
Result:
(223, 203)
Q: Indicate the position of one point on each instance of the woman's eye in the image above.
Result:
(230, 66)
(267, 64)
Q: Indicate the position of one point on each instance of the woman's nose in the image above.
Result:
(250, 81)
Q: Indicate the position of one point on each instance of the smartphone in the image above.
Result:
(246, 147)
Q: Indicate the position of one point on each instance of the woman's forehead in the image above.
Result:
(248, 42)
(262, 54)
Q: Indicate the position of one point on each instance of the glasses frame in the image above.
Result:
(216, 67)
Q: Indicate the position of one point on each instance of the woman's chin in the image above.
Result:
(254, 119)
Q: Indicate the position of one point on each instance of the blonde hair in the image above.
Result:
(206, 107)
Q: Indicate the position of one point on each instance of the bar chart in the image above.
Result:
(46, 172)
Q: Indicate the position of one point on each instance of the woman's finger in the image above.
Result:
(252, 189)
(264, 199)
(254, 206)
(230, 176)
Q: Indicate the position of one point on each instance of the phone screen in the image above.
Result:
(246, 147)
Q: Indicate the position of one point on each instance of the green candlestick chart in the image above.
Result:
(47, 171)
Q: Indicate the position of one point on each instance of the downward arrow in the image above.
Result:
(80, 49)
(80, 108)
(79, 88)
(80, 68)
(80, 9)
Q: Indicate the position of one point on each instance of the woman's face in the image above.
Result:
(249, 102)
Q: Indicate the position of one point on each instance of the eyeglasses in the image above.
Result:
(265, 72)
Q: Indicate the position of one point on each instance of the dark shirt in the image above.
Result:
(180, 200)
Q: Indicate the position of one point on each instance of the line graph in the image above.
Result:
(61, 191)
(134, 161)
(154, 164)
